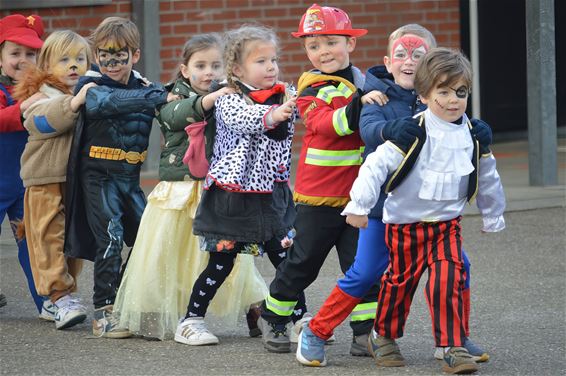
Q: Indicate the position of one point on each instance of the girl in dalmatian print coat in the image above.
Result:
(247, 206)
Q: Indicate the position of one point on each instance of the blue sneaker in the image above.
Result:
(479, 355)
(310, 349)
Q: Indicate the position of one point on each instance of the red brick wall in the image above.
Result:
(80, 19)
(179, 19)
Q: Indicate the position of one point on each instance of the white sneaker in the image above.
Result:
(298, 327)
(70, 312)
(48, 311)
(193, 331)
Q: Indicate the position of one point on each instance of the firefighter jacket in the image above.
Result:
(331, 153)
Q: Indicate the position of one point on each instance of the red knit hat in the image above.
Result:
(319, 20)
(26, 31)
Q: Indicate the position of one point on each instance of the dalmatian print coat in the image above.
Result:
(245, 159)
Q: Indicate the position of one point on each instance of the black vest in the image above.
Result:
(411, 154)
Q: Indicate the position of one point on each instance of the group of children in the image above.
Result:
(391, 153)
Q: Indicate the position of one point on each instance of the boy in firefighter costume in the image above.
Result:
(428, 182)
(330, 102)
(104, 200)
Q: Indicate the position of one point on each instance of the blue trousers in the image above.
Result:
(14, 208)
(372, 259)
(12, 197)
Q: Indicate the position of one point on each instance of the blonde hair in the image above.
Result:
(414, 29)
(443, 64)
(237, 45)
(198, 43)
(59, 42)
(119, 30)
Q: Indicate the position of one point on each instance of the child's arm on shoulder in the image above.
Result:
(54, 116)
(241, 117)
(103, 101)
(323, 119)
(176, 115)
(373, 173)
(491, 197)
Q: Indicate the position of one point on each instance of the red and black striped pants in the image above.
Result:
(414, 248)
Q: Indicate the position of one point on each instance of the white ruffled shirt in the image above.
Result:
(435, 189)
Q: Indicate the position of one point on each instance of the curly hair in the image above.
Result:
(237, 43)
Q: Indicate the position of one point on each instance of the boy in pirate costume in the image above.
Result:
(330, 102)
(104, 200)
(428, 183)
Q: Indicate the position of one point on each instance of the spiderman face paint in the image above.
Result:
(402, 61)
(408, 47)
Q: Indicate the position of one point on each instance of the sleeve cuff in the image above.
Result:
(268, 122)
(353, 208)
(493, 224)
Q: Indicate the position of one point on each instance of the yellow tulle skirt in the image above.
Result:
(166, 261)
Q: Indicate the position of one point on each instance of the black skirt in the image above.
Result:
(260, 218)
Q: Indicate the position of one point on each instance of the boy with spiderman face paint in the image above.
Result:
(394, 99)
(427, 182)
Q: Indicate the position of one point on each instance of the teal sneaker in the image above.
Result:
(310, 349)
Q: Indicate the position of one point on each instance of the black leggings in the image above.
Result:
(219, 267)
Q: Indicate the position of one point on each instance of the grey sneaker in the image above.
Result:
(458, 361)
(359, 346)
(274, 336)
(107, 324)
(48, 311)
(385, 351)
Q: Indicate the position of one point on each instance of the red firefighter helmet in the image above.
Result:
(319, 20)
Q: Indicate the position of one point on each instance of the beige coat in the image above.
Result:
(50, 123)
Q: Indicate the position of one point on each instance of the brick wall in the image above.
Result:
(179, 19)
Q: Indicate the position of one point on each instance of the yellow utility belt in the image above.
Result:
(102, 152)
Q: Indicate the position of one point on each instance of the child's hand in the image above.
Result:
(359, 221)
(285, 111)
(209, 99)
(79, 99)
(31, 100)
(172, 97)
(375, 96)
